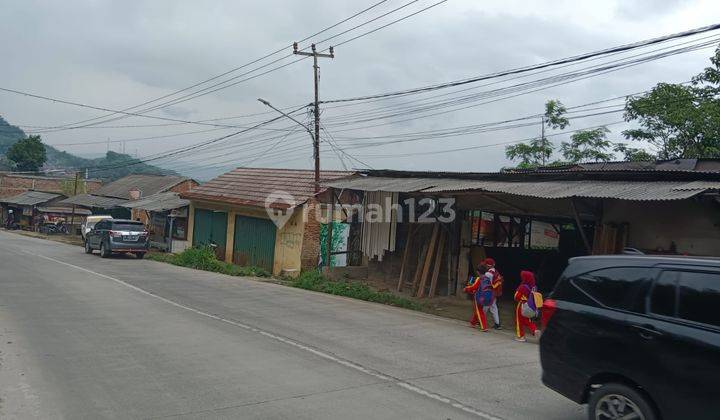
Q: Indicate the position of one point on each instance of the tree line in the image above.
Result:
(675, 120)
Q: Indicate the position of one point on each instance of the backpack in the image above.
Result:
(531, 309)
(537, 299)
(498, 278)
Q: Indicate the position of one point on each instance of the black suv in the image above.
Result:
(117, 235)
(636, 337)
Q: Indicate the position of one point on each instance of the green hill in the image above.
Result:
(57, 159)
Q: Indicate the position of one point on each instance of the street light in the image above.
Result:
(316, 142)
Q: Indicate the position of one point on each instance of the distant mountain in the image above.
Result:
(57, 159)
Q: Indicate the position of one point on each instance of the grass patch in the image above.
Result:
(203, 258)
(312, 280)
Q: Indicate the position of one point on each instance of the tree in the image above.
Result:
(555, 114)
(28, 154)
(532, 154)
(538, 151)
(681, 121)
(633, 154)
(588, 145)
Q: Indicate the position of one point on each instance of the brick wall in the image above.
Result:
(184, 186)
(311, 238)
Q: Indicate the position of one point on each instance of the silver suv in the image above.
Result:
(117, 236)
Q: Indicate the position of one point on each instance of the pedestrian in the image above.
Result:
(481, 290)
(525, 307)
(496, 285)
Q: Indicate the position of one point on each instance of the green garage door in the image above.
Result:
(210, 227)
(254, 243)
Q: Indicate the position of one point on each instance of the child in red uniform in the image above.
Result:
(523, 294)
(481, 290)
(496, 284)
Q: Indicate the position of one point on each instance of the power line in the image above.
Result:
(580, 57)
(279, 50)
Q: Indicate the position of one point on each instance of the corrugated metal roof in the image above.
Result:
(30, 198)
(90, 200)
(158, 202)
(147, 184)
(708, 165)
(78, 211)
(251, 186)
(699, 185)
(623, 190)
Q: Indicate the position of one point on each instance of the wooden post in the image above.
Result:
(438, 263)
(428, 260)
(406, 252)
(578, 224)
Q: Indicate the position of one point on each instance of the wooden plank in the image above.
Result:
(406, 252)
(438, 263)
(418, 269)
(428, 261)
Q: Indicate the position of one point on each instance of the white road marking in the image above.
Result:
(405, 385)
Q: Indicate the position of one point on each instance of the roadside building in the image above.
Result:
(31, 209)
(110, 198)
(12, 184)
(167, 219)
(233, 213)
(530, 219)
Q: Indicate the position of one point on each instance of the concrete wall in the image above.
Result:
(693, 225)
(289, 245)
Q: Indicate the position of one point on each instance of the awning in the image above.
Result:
(89, 200)
(30, 198)
(65, 210)
(158, 202)
(622, 190)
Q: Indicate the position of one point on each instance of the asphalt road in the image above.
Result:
(89, 338)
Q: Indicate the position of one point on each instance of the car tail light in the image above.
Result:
(115, 234)
(548, 310)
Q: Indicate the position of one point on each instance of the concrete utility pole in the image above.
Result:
(316, 139)
(75, 190)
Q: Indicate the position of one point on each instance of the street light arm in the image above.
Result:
(268, 104)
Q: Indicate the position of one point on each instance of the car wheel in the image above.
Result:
(88, 248)
(140, 255)
(104, 252)
(618, 401)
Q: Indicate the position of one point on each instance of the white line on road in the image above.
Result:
(405, 385)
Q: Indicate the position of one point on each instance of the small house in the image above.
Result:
(259, 217)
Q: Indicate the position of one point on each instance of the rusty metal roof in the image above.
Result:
(90, 200)
(65, 210)
(158, 202)
(622, 190)
(146, 184)
(252, 186)
(30, 198)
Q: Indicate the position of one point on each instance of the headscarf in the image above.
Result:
(527, 278)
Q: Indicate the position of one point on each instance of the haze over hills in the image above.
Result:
(58, 159)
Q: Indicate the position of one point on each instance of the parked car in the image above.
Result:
(636, 337)
(90, 222)
(117, 236)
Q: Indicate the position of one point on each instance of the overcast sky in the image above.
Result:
(116, 54)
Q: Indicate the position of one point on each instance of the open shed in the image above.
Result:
(439, 225)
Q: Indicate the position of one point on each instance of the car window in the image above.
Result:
(698, 297)
(618, 287)
(101, 225)
(132, 227)
(663, 297)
